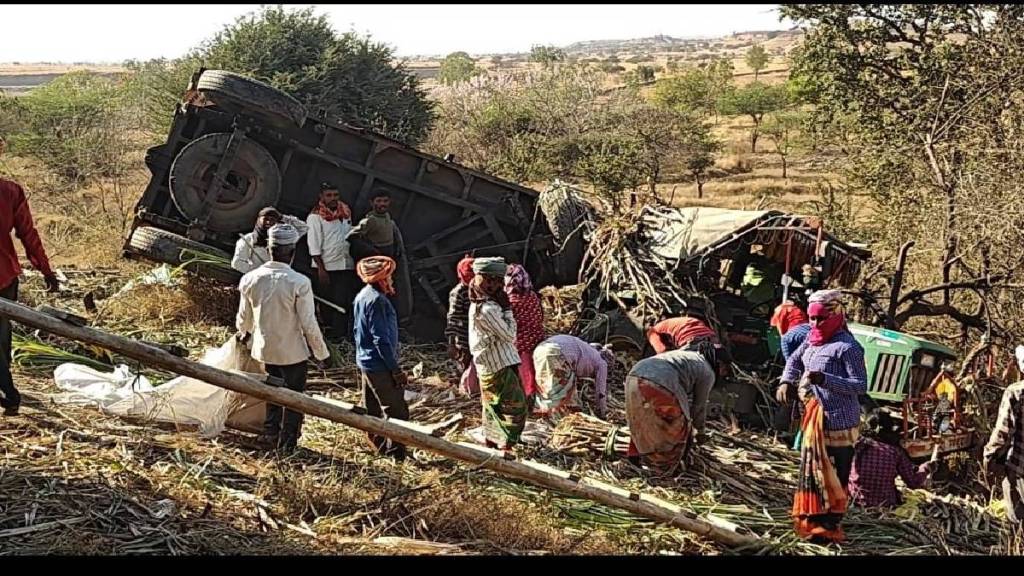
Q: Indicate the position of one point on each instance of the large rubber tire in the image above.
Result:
(163, 246)
(252, 97)
(615, 328)
(254, 182)
(565, 212)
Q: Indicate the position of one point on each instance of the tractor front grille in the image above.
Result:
(887, 374)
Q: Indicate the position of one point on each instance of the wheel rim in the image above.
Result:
(252, 182)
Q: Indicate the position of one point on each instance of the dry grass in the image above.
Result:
(133, 488)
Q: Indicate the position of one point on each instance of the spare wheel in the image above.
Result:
(565, 213)
(236, 92)
(163, 246)
(252, 183)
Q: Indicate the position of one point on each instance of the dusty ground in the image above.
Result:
(82, 482)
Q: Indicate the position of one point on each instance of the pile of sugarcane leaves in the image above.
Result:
(618, 260)
(747, 480)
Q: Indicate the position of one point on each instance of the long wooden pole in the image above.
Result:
(404, 432)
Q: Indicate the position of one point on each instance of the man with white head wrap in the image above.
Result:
(277, 311)
(1004, 453)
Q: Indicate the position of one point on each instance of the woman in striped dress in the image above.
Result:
(456, 329)
(492, 341)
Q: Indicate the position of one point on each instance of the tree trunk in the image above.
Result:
(897, 285)
(753, 139)
(700, 185)
(783, 156)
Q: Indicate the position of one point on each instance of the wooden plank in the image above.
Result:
(397, 430)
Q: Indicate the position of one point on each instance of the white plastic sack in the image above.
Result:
(162, 275)
(183, 401)
(83, 385)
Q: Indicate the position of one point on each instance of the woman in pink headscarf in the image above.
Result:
(828, 373)
(529, 316)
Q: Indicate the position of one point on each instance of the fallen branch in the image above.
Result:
(39, 527)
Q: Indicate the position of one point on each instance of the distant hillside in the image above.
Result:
(663, 43)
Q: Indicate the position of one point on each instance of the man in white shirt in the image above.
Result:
(251, 249)
(277, 311)
(328, 226)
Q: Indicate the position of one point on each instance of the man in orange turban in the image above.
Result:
(375, 331)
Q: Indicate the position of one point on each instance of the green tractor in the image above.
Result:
(901, 368)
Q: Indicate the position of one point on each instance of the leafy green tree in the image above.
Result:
(922, 104)
(690, 91)
(457, 67)
(560, 123)
(698, 154)
(754, 101)
(77, 125)
(156, 86)
(782, 129)
(297, 51)
(640, 75)
(757, 59)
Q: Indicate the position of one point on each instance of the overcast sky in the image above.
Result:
(112, 33)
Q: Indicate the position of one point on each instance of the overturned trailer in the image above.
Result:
(237, 145)
(734, 267)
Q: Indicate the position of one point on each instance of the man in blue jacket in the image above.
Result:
(375, 331)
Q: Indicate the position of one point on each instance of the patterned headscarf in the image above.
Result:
(282, 235)
(490, 266)
(465, 270)
(377, 270)
(517, 281)
(340, 212)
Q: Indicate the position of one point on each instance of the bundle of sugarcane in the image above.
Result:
(581, 434)
(30, 354)
(561, 307)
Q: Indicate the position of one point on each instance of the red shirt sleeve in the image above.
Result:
(654, 336)
(25, 229)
